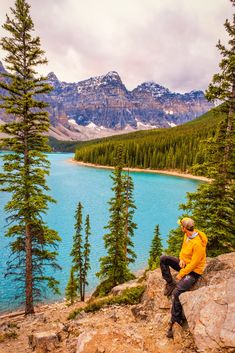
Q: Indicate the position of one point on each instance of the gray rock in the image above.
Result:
(210, 310)
(121, 287)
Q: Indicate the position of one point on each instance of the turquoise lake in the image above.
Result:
(157, 197)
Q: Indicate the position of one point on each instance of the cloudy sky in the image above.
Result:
(172, 42)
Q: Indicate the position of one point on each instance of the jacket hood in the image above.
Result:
(203, 237)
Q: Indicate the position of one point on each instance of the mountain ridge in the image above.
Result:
(102, 106)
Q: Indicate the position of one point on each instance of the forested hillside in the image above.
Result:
(176, 148)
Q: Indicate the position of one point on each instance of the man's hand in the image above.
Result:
(182, 264)
(179, 277)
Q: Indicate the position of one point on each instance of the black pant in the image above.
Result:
(182, 286)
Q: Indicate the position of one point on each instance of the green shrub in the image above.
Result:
(102, 289)
(129, 296)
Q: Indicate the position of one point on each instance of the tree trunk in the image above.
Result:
(29, 309)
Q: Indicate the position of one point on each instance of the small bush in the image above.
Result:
(129, 296)
(104, 288)
(8, 335)
(11, 335)
(12, 325)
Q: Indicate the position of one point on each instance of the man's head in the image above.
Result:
(187, 223)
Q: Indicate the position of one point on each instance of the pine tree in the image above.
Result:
(114, 267)
(212, 206)
(25, 165)
(71, 291)
(77, 249)
(86, 254)
(81, 252)
(156, 250)
(174, 242)
(129, 226)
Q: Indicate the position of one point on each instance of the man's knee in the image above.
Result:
(163, 259)
(176, 292)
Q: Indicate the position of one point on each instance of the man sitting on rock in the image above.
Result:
(191, 263)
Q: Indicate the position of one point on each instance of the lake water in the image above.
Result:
(156, 196)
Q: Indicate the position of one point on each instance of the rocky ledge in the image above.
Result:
(141, 328)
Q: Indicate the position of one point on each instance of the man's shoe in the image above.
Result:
(169, 333)
(184, 323)
(169, 288)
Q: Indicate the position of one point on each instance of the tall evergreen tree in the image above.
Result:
(156, 250)
(114, 266)
(212, 206)
(86, 254)
(81, 252)
(77, 249)
(25, 165)
(129, 226)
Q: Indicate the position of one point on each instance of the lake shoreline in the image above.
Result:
(140, 170)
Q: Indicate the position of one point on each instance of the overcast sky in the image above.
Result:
(171, 42)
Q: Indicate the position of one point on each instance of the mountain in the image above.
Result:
(102, 106)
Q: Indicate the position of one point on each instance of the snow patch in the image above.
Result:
(146, 126)
(171, 124)
(170, 112)
(91, 125)
(72, 121)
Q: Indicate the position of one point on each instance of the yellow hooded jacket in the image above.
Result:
(193, 253)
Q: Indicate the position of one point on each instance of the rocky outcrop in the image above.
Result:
(103, 106)
(210, 309)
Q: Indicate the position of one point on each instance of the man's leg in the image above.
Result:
(176, 310)
(165, 263)
(182, 286)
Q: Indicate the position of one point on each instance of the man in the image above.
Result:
(190, 266)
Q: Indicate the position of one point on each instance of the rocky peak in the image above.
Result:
(97, 83)
(111, 76)
(195, 94)
(151, 87)
(52, 77)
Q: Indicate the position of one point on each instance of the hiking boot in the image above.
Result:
(169, 333)
(169, 287)
(184, 323)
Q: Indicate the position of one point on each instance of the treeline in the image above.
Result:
(63, 146)
(176, 148)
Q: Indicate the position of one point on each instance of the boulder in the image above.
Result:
(44, 342)
(210, 309)
(121, 287)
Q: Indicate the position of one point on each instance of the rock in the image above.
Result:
(106, 340)
(210, 310)
(121, 287)
(139, 313)
(44, 342)
(83, 340)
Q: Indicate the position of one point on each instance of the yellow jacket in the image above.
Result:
(193, 253)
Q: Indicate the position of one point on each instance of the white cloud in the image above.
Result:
(169, 41)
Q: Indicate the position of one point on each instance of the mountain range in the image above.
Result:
(102, 106)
